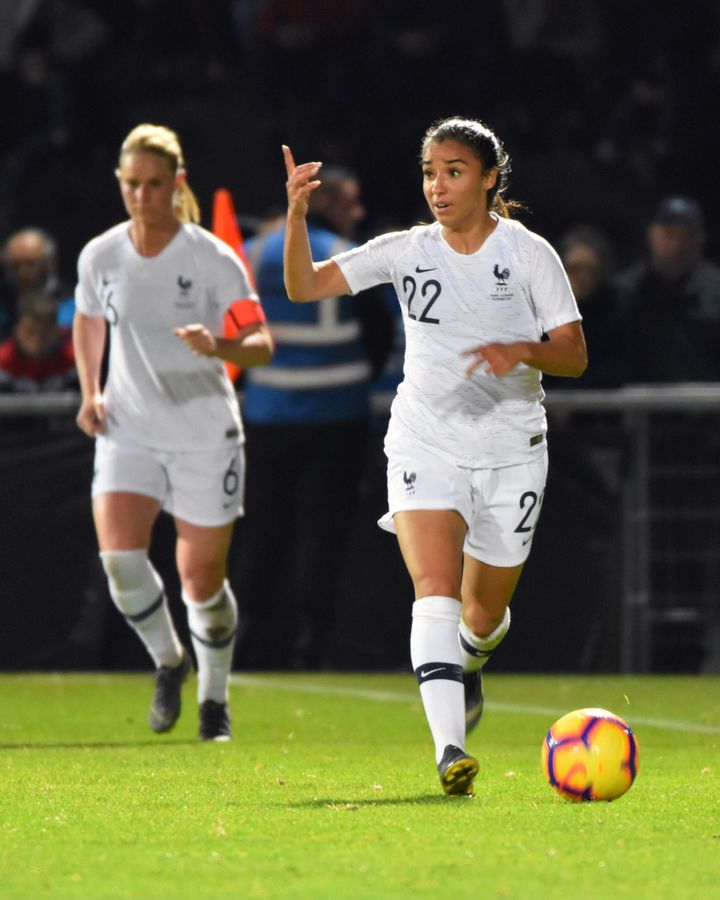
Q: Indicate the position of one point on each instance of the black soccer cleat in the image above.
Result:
(165, 707)
(474, 699)
(457, 771)
(214, 722)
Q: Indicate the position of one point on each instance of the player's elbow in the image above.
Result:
(580, 364)
(267, 351)
(295, 291)
(264, 347)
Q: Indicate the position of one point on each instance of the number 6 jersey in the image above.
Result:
(513, 288)
(158, 393)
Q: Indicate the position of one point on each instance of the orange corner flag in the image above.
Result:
(225, 223)
(242, 311)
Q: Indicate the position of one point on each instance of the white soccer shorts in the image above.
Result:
(205, 487)
(501, 506)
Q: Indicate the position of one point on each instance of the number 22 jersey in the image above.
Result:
(512, 289)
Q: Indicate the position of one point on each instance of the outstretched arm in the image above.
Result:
(305, 280)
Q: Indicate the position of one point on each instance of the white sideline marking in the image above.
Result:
(296, 685)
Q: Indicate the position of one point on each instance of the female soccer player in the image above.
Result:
(167, 426)
(486, 307)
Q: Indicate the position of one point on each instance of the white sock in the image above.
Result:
(213, 623)
(437, 661)
(476, 650)
(137, 591)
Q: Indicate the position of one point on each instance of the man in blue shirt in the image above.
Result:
(307, 419)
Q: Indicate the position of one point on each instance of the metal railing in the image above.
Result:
(670, 491)
(669, 503)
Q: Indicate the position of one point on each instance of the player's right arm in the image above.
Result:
(89, 333)
(305, 280)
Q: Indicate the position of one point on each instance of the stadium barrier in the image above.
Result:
(624, 573)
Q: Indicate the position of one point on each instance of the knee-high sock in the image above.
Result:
(437, 662)
(213, 624)
(137, 591)
(476, 650)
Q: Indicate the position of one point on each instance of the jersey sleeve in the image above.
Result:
(231, 279)
(550, 288)
(87, 298)
(369, 264)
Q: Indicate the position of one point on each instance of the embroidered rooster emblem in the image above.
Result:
(503, 276)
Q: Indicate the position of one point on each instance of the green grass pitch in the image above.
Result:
(329, 790)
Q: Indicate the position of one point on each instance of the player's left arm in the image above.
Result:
(564, 353)
(248, 343)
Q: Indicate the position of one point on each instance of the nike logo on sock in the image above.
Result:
(434, 669)
(424, 674)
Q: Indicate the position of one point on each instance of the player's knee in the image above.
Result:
(201, 581)
(214, 619)
(127, 570)
(435, 586)
(481, 621)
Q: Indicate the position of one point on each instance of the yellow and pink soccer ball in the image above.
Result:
(590, 754)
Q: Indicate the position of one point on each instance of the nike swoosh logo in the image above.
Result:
(431, 671)
(420, 270)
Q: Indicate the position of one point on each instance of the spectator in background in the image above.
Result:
(38, 356)
(588, 457)
(589, 262)
(671, 300)
(30, 263)
(307, 420)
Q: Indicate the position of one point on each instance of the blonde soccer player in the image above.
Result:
(166, 423)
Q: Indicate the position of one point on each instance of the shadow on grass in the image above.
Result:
(335, 804)
(101, 745)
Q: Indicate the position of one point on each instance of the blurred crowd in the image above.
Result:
(604, 106)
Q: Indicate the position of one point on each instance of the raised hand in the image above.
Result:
(301, 182)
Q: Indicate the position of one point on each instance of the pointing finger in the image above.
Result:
(289, 159)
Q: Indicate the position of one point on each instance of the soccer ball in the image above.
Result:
(590, 754)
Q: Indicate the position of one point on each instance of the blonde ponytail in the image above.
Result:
(185, 204)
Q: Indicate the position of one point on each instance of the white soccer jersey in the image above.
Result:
(158, 393)
(513, 288)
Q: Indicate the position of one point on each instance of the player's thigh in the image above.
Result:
(128, 489)
(430, 504)
(124, 521)
(431, 543)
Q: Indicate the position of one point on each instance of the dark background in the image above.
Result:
(604, 105)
